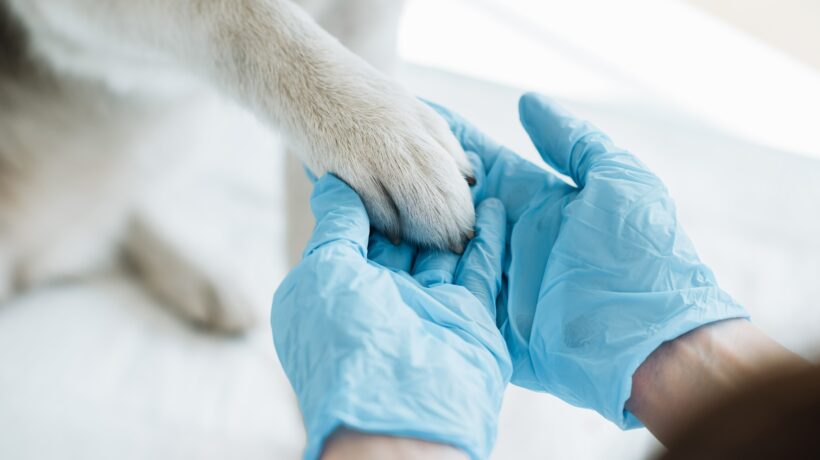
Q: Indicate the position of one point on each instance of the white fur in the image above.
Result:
(122, 72)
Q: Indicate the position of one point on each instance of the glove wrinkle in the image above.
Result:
(596, 276)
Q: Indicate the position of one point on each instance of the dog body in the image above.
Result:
(96, 96)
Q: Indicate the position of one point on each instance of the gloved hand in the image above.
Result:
(598, 275)
(369, 347)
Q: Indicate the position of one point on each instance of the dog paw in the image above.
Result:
(401, 158)
(194, 286)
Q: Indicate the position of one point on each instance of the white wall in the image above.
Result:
(793, 26)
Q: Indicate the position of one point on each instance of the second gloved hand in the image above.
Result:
(378, 339)
(598, 275)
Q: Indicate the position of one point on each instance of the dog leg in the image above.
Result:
(341, 115)
(205, 234)
(369, 28)
(187, 281)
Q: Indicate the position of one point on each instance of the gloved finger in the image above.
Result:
(480, 268)
(471, 138)
(478, 190)
(575, 147)
(433, 267)
(383, 252)
(340, 216)
(311, 177)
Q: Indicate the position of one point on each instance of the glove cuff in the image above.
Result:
(400, 410)
(593, 367)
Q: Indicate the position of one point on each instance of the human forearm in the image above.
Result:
(351, 445)
(684, 375)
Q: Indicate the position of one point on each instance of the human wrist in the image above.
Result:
(727, 355)
(347, 444)
(686, 374)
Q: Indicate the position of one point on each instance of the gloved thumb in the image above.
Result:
(481, 267)
(560, 138)
(341, 217)
(572, 146)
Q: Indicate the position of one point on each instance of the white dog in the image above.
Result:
(86, 84)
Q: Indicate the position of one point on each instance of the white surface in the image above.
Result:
(98, 370)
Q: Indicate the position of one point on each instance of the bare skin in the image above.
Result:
(683, 376)
(349, 445)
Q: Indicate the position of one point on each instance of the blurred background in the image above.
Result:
(721, 98)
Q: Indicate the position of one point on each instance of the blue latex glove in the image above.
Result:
(369, 347)
(596, 276)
